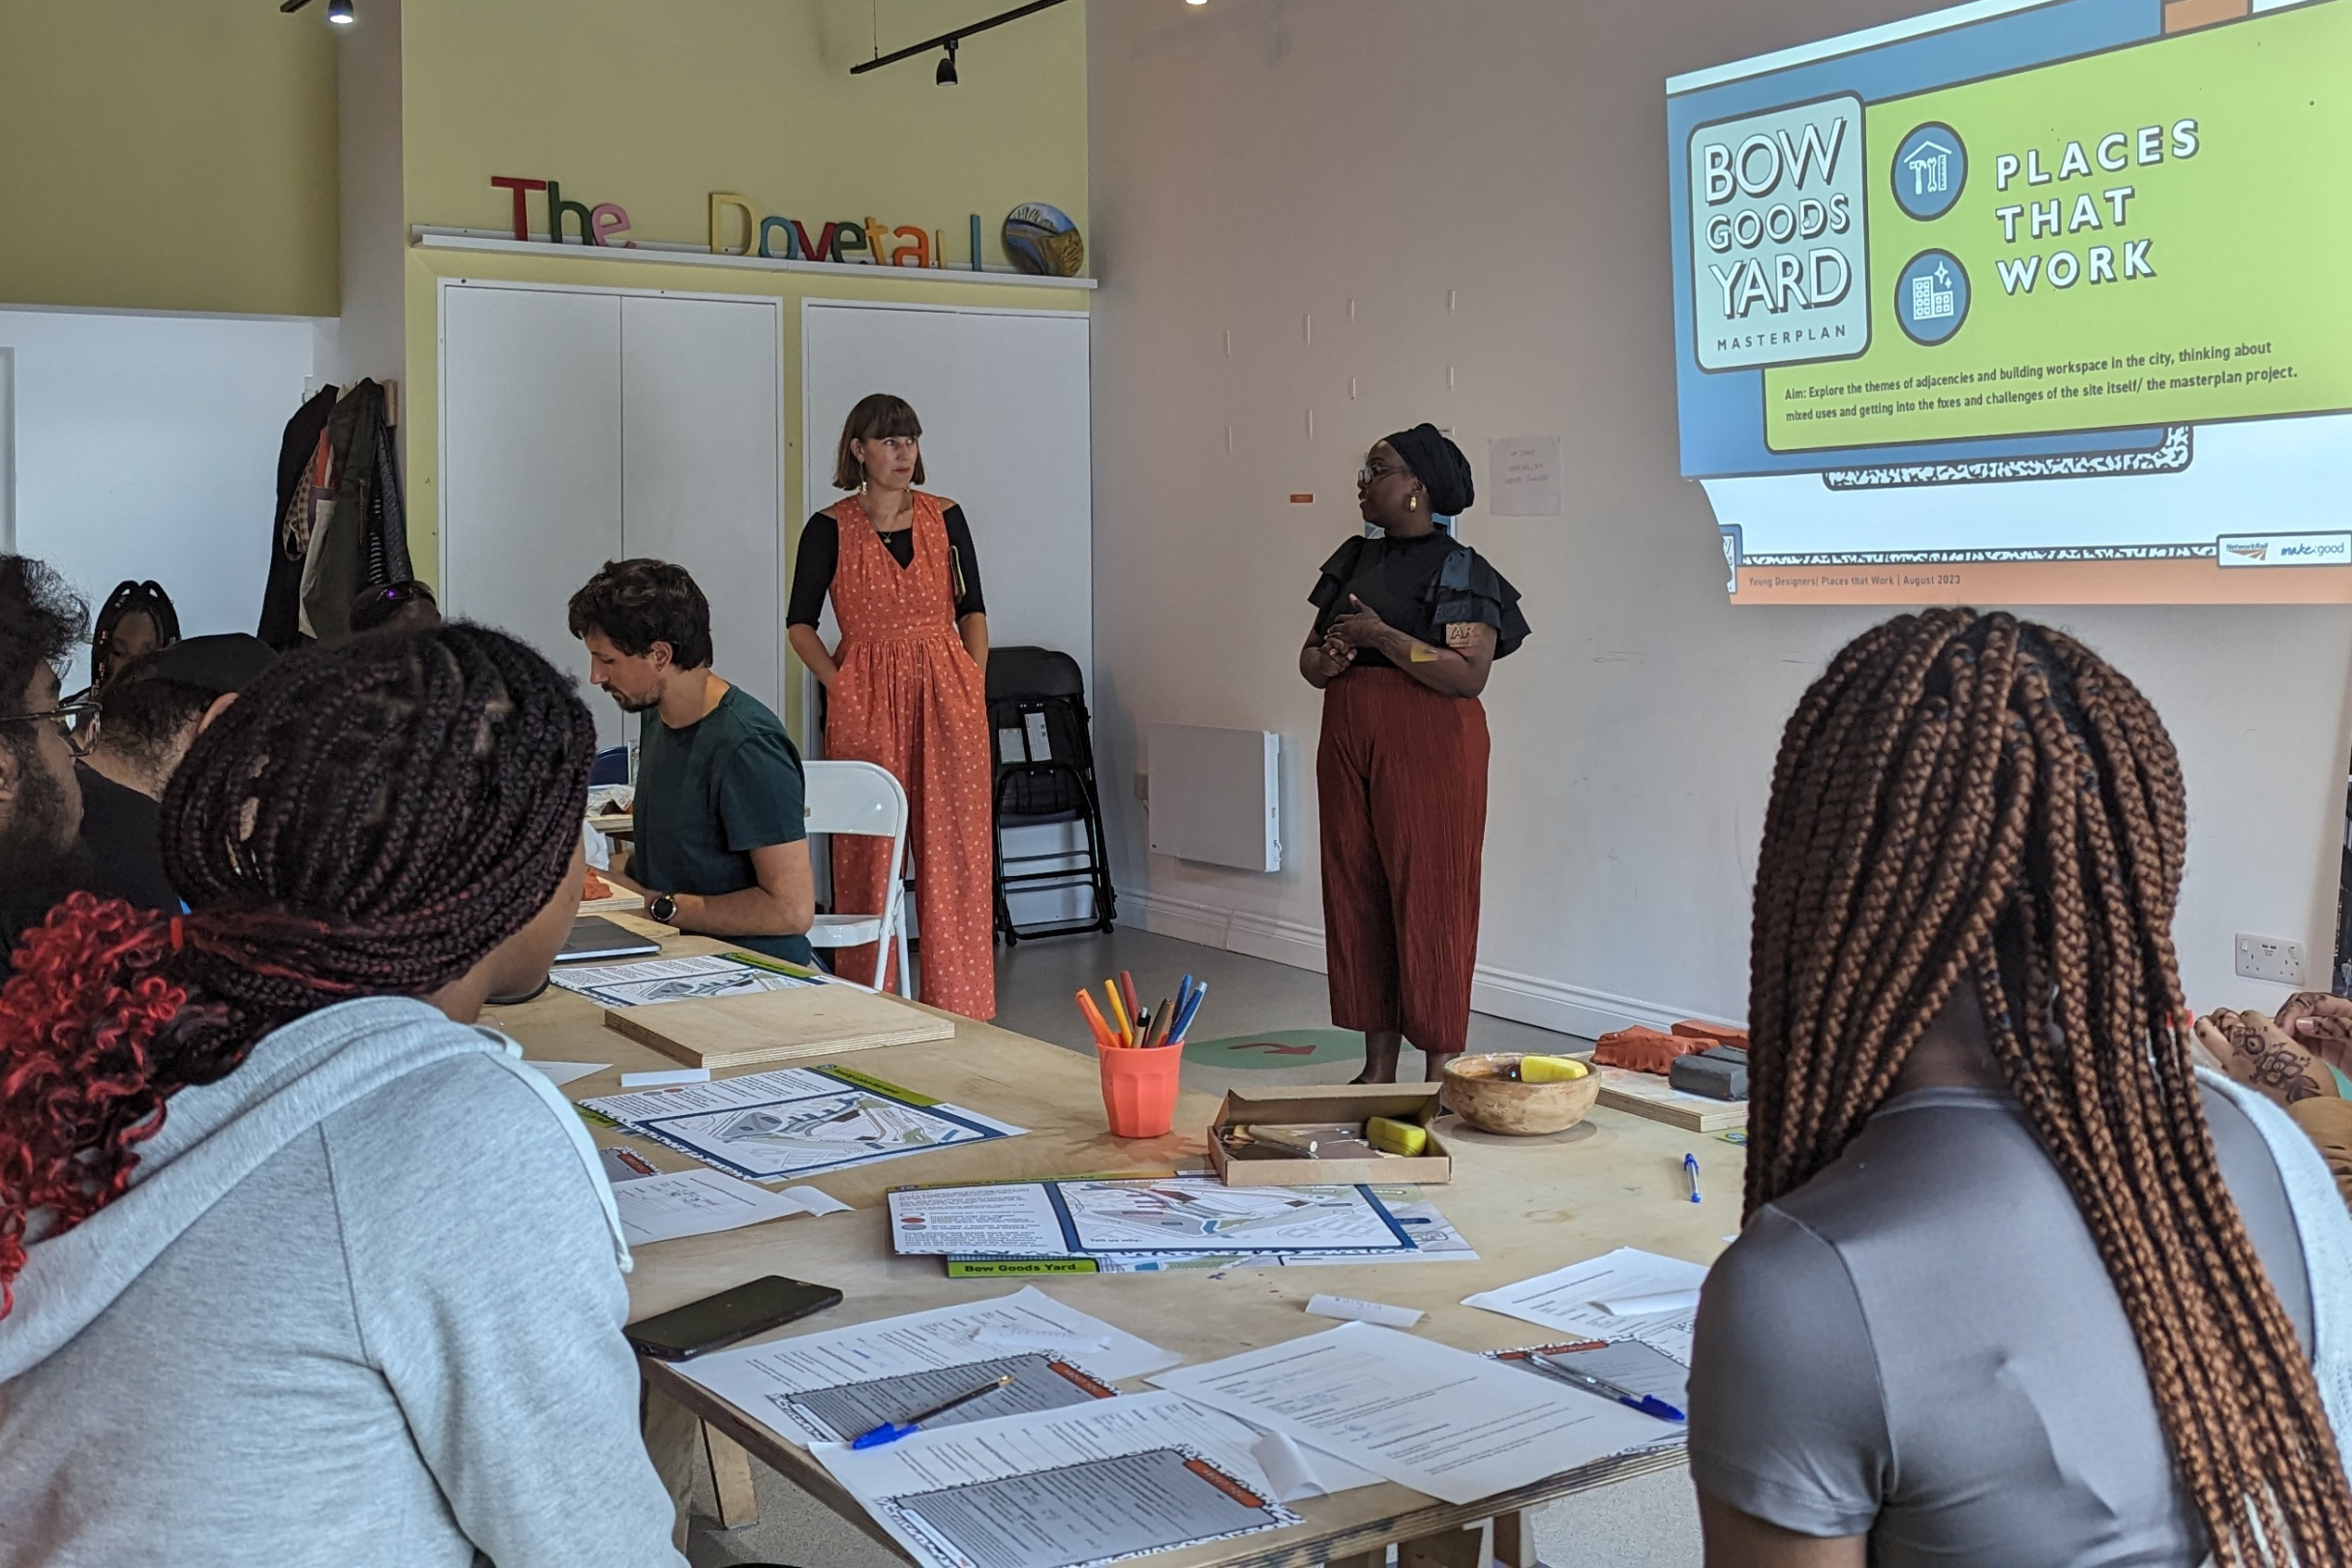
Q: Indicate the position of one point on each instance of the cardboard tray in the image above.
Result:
(775, 1026)
(1415, 1103)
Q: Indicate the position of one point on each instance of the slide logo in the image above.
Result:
(1779, 244)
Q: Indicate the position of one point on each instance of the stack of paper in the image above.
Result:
(664, 1205)
(1627, 1294)
(1454, 1425)
(839, 1384)
(667, 979)
(1114, 1479)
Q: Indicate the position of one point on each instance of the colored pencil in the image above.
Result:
(1094, 1020)
(1119, 1013)
(1134, 1003)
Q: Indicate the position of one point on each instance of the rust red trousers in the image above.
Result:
(1401, 777)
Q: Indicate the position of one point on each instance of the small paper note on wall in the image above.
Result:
(1524, 476)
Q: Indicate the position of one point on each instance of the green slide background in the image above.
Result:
(2251, 245)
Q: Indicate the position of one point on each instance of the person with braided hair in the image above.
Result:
(298, 1264)
(2019, 1283)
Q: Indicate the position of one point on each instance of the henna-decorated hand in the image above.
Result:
(2256, 1052)
(2321, 1024)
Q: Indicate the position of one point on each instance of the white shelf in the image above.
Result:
(475, 239)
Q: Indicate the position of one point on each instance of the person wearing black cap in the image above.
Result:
(1406, 627)
(149, 714)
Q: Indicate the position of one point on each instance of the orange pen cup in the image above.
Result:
(1139, 1090)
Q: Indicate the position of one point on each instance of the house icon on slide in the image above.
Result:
(1931, 167)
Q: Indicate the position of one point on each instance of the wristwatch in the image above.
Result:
(664, 908)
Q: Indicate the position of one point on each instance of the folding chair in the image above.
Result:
(1045, 773)
(861, 799)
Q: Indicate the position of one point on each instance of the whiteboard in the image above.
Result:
(1003, 396)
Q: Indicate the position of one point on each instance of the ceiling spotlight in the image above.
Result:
(338, 12)
(946, 65)
(1195, 2)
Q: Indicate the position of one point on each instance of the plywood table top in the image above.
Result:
(1526, 1205)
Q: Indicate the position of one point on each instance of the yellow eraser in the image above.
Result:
(1396, 1137)
(1549, 1068)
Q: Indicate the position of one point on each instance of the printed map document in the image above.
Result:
(1454, 1425)
(667, 979)
(842, 1383)
(1140, 1215)
(1433, 1238)
(698, 1202)
(1578, 1300)
(1115, 1479)
(796, 1121)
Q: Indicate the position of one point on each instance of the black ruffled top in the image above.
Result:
(1419, 585)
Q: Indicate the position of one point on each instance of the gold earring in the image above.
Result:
(1412, 503)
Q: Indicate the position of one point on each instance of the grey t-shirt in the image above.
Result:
(1921, 1344)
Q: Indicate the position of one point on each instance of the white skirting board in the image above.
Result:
(1501, 993)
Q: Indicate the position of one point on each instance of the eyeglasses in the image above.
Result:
(1369, 474)
(77, 720)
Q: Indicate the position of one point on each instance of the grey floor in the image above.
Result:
(1648, 1522)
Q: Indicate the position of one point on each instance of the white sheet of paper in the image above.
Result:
(1571, 1299)
(695, 1203)
(1042, 1528)
(763, 1378)
(1524, 476)
(645, 981)
(563, 1073)
(1013, 1219)
(1439, 1420)
(815, 1202)
(666, 1076)
(1349, 1310)
(1298, 1471)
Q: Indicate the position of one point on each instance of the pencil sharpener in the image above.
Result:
(1720, 1073)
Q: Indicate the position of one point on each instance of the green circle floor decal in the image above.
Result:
(1276, 1048)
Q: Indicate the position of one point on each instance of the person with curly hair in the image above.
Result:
(297, 1264)
(39, 736)
(2020, 1283)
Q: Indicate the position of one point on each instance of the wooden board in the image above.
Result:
(1646, 1093)
(775, 1026)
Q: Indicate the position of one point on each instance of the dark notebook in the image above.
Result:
(596, 936)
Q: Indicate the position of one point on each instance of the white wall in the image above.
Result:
(1258, 160)
(146, 446)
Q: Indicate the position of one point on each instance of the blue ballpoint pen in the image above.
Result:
(889, 1431)
(1649, 1404)
(1690, 1172)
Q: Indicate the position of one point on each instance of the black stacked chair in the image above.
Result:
(1045, 773)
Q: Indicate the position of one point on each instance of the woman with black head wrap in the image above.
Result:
(1406, 625)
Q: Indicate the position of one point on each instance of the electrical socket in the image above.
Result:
(2269, 958)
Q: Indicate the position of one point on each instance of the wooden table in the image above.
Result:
(1527, 1206)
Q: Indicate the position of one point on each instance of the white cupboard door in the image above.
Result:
(700, 477)
(530, 462)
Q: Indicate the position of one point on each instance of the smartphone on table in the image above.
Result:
(714, 1323)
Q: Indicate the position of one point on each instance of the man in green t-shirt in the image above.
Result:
(722, 843)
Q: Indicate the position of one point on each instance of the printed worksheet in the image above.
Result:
(1627, 1294)
(1172, 1214)
(667, 1205)
(1434, 1236)
(841, 1383)
(649, 981)
(796, 1121)
(1117, 1479)
(1454, 1425)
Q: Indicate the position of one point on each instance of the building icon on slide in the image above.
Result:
(1931, 297)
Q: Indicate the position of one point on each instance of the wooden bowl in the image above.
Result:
(1484, 1091)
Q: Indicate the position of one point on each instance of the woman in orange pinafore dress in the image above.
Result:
(907, 689)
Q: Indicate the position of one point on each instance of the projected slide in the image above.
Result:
(2020, 302)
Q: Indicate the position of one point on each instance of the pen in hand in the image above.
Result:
(889, 1431)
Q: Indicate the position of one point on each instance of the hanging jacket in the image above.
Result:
(341, 523)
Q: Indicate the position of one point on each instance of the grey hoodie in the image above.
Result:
(361, 1306)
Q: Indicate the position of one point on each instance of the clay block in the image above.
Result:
(1644, 1050)
(1712, 1033)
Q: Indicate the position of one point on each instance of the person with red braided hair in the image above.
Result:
(2021, 1284)
(297, 1264)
